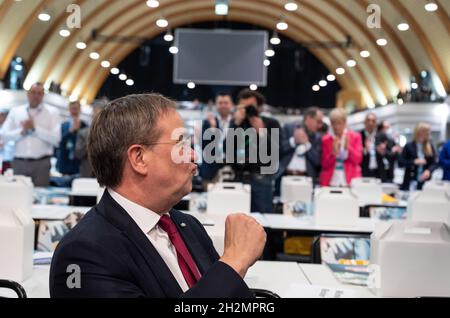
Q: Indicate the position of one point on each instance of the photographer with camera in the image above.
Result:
(247, 117)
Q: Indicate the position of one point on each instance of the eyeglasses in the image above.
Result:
(182, 142)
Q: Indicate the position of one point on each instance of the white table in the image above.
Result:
(321, 275)
(278, 277)
(275, 276)
(307, 224)
(35, 287)
(55, 212)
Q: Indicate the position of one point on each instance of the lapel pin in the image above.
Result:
(183, 224)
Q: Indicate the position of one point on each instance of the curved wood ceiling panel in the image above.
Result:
(387, 70)
(425, 41)
(329, 61)
(345, 27)
(240, 9)
(13, 33)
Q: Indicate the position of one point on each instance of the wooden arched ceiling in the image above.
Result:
(50, 57)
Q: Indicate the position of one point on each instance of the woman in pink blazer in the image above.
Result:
(341, 153)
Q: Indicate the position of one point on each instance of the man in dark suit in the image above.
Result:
(67, 163)
(247, 156)
(224, 107)
(391, 150)
(133, 244)
(301, 147)
(373, 164)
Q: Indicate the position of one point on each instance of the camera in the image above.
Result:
(251, 111)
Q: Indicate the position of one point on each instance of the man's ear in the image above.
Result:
(138, 159)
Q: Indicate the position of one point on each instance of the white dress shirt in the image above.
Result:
(147, 221)
(42, 140)
(372, 151)
(223, 125)
(339, 178)
(298, 161)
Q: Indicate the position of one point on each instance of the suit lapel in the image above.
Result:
(218, 123)
(191, 241)
(117, 216)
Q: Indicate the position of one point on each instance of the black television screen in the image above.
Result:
(220, 57)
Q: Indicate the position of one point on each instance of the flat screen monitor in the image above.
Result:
(220, 57)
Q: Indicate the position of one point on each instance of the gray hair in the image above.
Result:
(123, 122)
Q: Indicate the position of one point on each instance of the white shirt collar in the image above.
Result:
(226, 121)
(145, 218)
(372, 134)
(38, 108)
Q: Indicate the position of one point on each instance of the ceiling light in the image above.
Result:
(191, 85)
(253, 87)
(64, 33)
(129, 82)
(266, 62)
(414, 86)
(275, 39)
(173, 50)
(152, 3)
(94, 55)
(382, 42)
(291, 6)
(44, 16)
(331, 78)
(168, 37)
(431, 6)
(18, 67)
(351, 63)
(105, 64)
(123, 77)
(323, 83)
(364, 53)
(115, 71)
(282, 26)
(162, 23)
(400, 101)
(270, 52)
(340, 71)
(403, 27)
(221, 7)
(316, 88)
(81, 45)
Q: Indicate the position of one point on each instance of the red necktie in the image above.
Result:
(185, 261)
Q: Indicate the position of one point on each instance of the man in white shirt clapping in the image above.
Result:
(35, 129)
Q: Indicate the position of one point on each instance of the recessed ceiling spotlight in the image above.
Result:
(403, 27)
(351, 63)
(364, 53)
(382, 42)
(291, 6)
(152, 3)
(340, 71)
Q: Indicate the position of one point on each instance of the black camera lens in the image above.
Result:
(251, 111)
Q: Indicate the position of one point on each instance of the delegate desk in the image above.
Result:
(287, 279)
(321, 275)
(277, 226)
(305, 225)
(214, 224)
